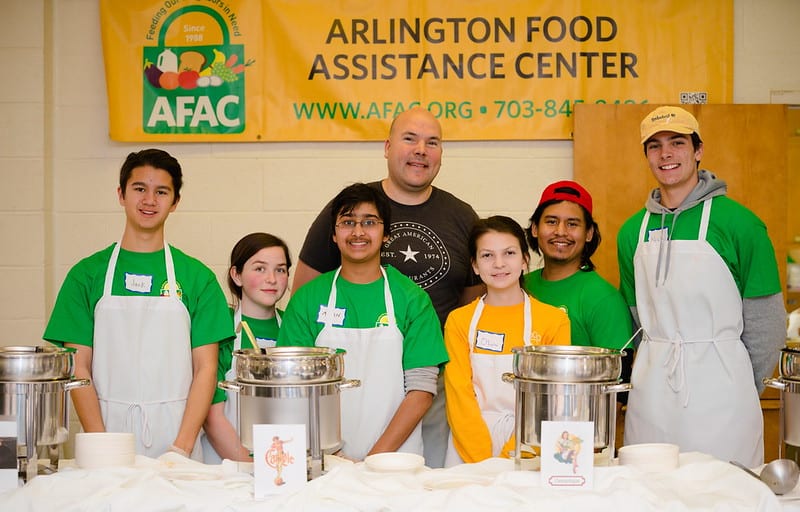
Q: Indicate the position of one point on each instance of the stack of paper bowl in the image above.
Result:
(394, 462)
(95, 450)
(650, 457)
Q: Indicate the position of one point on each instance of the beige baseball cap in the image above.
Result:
(668, 119)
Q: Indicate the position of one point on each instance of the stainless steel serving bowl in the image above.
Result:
(567, 363)
(290, 365)
(35, 363)
(790, 363)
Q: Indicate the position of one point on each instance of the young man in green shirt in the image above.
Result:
(699, 272)
(384, 321)
(145, 320)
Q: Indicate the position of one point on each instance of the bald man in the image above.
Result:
(427, 240)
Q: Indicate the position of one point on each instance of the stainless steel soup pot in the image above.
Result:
(292, 404)
(790, 363)
(289, 365)
(35, 363)
(566, 363)
(552, 401)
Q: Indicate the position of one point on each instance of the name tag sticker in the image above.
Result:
(137, 283)
(490, 341)
(333, 316)
(658, 235)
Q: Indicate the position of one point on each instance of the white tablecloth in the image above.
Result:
(175, 483)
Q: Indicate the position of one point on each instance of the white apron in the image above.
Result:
(231, 407)
(496, 398)
(375, 357)
(142, 362)
(692, 378)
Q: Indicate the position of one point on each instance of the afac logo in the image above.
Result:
(197, 87)
(164, 291)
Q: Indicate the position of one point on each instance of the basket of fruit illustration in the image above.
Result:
(194, 89)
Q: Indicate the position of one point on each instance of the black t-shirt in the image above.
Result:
(427, 243)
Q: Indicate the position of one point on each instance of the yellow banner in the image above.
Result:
(286, 70)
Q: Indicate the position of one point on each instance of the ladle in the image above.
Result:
(250, 336)
(780, 475)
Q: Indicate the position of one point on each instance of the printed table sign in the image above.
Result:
(279, 458)
(568, 454)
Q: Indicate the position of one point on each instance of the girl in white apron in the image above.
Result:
(479, 338)
(258, 278)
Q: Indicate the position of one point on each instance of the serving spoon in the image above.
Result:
(780, 475)
(250, 336)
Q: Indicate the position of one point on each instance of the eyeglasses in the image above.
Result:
(366, 224)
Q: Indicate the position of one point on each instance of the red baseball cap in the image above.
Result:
(567, 191)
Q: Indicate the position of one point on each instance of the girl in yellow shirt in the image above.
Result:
(479, 338)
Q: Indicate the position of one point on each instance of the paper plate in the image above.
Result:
(394, 462)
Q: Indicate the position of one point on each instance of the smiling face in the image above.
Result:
(148, 199)
(499, 261)
(263, 279)
(673, 162)
(562, 233)
(358, 243)
(414, 151)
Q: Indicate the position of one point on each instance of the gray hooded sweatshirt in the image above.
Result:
(764, 331)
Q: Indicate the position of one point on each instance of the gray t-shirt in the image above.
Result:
(427, 243)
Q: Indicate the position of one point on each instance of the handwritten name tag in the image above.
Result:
(658, 235)
(490, 341)
(333, 316)
(137, 283)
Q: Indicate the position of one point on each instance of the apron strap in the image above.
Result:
(112, 265)
(147, 435)
(676, 363)
(173, 283)
(643, 227)
(706, 215)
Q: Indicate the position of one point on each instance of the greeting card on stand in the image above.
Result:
(279, 458)
(568, 454)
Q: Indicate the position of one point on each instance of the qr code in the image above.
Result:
(694, 97)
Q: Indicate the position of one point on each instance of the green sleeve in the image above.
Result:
(757, 265)
(211, 319)
(609, 322)
(299, 323)
(72, 318)
(225, 360)
(627, 239)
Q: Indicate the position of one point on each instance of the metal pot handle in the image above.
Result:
(774, 383)
(508, 377)
(77, 383)
(229, 386)
(348, 383)
(617, 388)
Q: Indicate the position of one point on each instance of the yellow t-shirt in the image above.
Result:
(549, 326)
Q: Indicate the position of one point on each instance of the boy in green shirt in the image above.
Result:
(145, 320)
(384, 321)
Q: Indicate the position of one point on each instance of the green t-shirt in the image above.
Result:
(365, 307)
(266, 333)
(597, 313)
(734, 232)
(72, 319)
